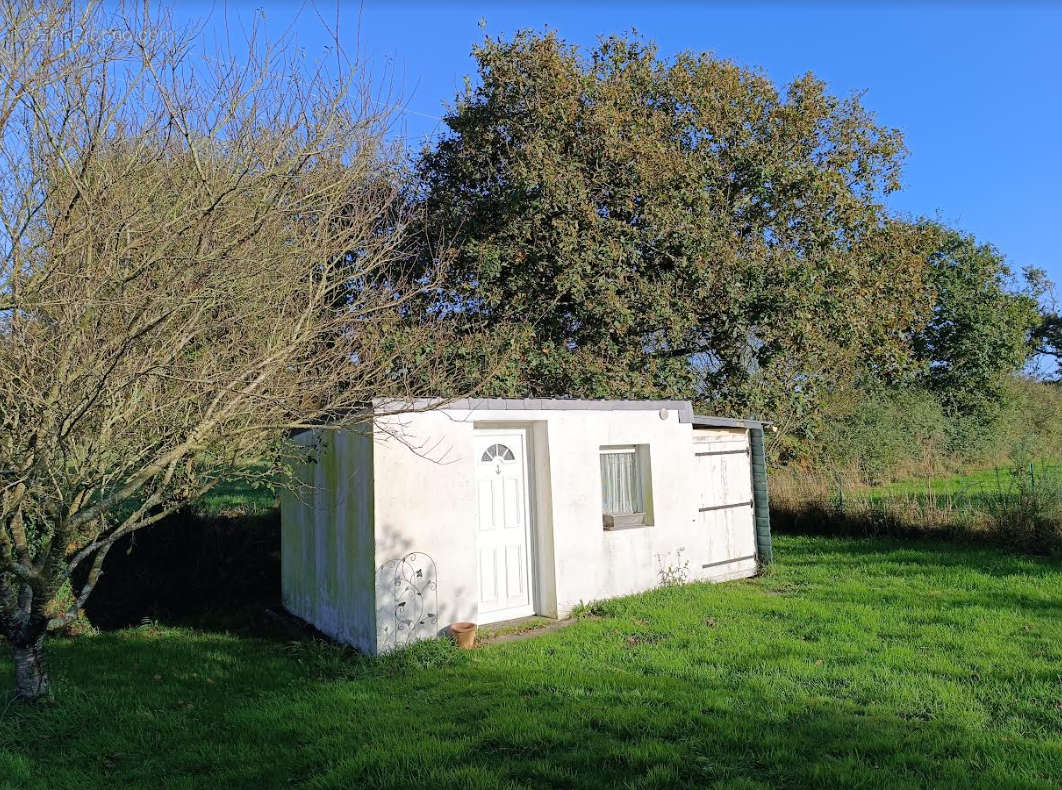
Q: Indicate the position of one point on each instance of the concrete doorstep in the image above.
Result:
(519, 629)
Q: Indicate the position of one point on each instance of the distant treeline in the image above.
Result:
(874, 438)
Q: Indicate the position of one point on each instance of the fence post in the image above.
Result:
(761, 502)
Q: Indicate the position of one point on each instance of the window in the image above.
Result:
(497, 452)
(626, 497)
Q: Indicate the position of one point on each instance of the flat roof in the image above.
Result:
(702, 421)
(683, 407)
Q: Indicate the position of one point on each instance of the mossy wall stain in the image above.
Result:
(327, 536)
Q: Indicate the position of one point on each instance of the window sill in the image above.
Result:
(621, 520)
(627, 528)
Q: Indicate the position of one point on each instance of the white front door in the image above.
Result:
(504, 537)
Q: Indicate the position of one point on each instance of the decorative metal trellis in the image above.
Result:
(416, 597)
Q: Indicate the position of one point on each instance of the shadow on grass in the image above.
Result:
(210, 707)
(917, 549)
(222, 573)
(880, 519)
(1021, 510)
(644, 694)
(832, 520)
(190, 567)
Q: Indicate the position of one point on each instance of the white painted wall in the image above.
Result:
(327, 547)
(410, 488)
(425, 501)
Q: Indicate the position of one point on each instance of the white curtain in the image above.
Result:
(621, 483)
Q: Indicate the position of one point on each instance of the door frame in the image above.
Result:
(495, 430)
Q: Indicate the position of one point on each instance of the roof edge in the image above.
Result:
(683, 407)
(704, 421)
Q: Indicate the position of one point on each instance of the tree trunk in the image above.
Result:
(31, 679)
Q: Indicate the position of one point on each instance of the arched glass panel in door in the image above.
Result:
(497, 452)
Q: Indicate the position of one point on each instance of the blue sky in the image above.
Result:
(976, 89)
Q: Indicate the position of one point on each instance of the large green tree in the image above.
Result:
(649, 227)
(1048, 340)
(981, 328)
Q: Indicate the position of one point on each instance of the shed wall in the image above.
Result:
(726, 513)
(426, 501)
(327, 545)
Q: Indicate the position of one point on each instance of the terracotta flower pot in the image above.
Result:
(464, 635)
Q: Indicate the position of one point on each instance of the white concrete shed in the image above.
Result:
(491, 510)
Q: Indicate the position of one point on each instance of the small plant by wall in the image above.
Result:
(673, 573)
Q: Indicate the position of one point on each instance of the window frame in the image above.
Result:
(644, 472)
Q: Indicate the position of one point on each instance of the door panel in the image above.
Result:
(725, 479)
(504, 529)
(511, 498)
(488, 576)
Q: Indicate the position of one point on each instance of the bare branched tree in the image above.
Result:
(197, 256)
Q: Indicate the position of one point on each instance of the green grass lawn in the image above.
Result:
(238, 498)
(861, 663)
(971, 485)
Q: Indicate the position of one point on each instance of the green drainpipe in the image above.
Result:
(759, 497)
